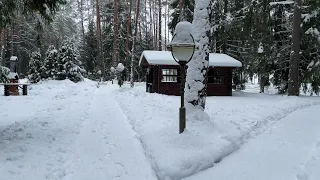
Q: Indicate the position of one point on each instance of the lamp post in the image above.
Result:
(120, 69)
(182, 47)
(113, 70)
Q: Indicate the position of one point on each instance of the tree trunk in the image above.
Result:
(134, 42)
(160, 26)
(116, 34)
(1, 45)
(168, 18)
(180, 10)
(294, 84)
(165, 24)
(262, 75)
(198, 66)
(129, 28)
(81, 16)
(145, 18)
(99, 41)
(263, 65)
(155, 15)
(151, 22)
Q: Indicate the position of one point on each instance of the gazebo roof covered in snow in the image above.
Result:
(149, 58)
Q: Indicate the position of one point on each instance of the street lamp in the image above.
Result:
(120, 69)
(113, 70)
(182, 47)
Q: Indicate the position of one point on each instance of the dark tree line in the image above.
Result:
(261, 34)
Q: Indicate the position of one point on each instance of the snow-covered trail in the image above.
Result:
(36, 142)
(288, 150)
(107, 147)
(72, 132)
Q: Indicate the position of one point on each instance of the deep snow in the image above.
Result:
(290, 149)
(233, 121)
(64, 130)
(83, 131)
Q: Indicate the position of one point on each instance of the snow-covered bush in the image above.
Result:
(68, 63)
(50, 67)
(35, 67)
(4, 71)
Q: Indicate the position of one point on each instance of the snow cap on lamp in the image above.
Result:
(120, 67)
(112, 69)
(182, 45)
(183, 33)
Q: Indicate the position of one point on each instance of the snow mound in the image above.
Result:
(226, 125)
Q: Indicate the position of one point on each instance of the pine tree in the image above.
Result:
(68, 63)
(310, 65)
(51, 63)
(45, 9)
(35, 67)
(89, 50)
(294, 77)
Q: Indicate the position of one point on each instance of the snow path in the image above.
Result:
(107, 147)
(69, 132)
(288, 150)
(38, 143)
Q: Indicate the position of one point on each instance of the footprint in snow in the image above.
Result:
(302, 176)
(14, 158)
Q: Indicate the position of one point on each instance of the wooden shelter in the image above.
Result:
(163, 73)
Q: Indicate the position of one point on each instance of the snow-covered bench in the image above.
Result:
(23, 86)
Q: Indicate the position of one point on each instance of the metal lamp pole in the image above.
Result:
(112, 69)
(182, 110)
(182, 54)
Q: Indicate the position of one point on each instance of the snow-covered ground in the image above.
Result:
(233, 121)
(63, 130)
(290, 149)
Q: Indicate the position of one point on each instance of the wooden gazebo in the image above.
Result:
(163, 73)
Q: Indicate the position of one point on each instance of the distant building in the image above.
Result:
(163, 73)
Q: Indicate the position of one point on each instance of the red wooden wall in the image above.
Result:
(172, 88)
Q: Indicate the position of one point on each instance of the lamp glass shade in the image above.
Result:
(182, 52)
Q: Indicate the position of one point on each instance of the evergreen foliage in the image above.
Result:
(68, 63)
(45, 8)
(50, 69)
(187, 13)
(3, 74)
(89, 52)
(35, 67)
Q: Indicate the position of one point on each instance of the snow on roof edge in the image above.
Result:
(165, 58)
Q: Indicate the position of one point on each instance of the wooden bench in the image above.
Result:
(23, 86)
